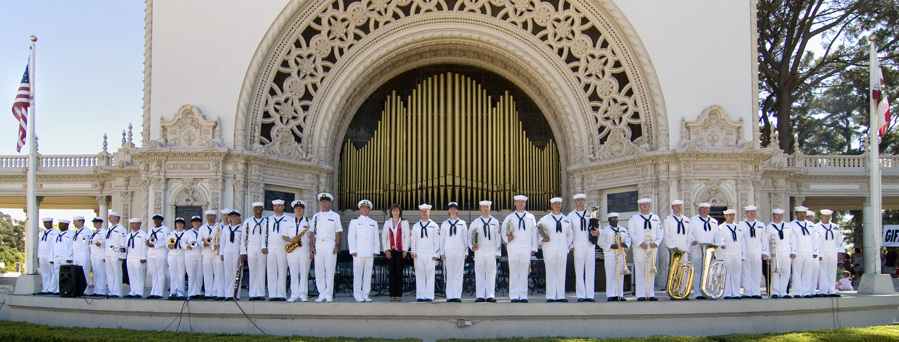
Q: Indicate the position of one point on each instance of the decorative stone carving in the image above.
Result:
(712, 129)
(189, 128)
(616, 147)
(713, 192)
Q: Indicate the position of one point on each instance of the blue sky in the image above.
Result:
(89, 78)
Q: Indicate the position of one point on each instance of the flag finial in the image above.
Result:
(871, 38)
(33, 38)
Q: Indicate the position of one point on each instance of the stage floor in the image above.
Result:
(439, 319)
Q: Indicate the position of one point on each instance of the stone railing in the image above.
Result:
(841, 161)
(56, 161)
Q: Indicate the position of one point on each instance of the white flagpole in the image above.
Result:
(873, 234)
(31, 232)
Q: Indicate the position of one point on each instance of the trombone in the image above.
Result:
(651, 269)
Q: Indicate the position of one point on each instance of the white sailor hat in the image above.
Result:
(451, 205)
(134, 220)
(520, 198)
(234, 212)
(210, 212)
(777, 211)
(158, 216)
(485, 203)
(809, 213)
(730, 212)
(64, 221)
(800, 208)
(579, 196)
(704, 205)
(76, 218)
(611, 215)
(47, 219)
(677, 202)
(364, 203)
(644, 200)
(225, 211)
(826, 212)
(258, 204)
(299, 203)
(196, 218)
(555, 200)
(97, 219)
(278, 201)
(115, 213)
(325, 197)
(425, 206)
(179, 219)
(750, 208)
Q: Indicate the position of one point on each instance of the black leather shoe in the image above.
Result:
(836, 295)
(700, 297)
(622, 299)
(589, 299)
(523, 301)
(491, 300)
(515, 301)
(419, 300)
(756, 297)
(429, 300)
(641, 299)
(653, 299)
(612, 299)
(744, 296)
(775, 296)
(479, 300)
(787, 297)
(550, 300)
(580, 300)
(563, 300)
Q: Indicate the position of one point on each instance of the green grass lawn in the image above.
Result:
(16, 331)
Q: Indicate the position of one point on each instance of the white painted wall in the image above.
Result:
(200, 54)
(702, 51)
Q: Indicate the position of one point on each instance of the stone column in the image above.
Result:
(103, 213)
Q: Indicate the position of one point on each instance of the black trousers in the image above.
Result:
(395, 274)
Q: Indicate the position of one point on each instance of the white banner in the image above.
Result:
(891, 235)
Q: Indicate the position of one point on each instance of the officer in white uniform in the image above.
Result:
(558, 241)
(487, 251)
(98, 257)
(256, 229)
(176, 243)
(193, 258)
(157, 256)
(519, 232)
(364, 245)
(299, 260)
(207, 240)
(115, 254)
(63, 251)
(805, 238)
(639, 227)
(277, 257)
(82, 246)
(677, 233)
(756, 251)
(221, 279)
(425, 250)
(703, 228)
(732, 239)
(615, 258)
(230, 248)
(327, 229)
(584, 251)
(785, 252)
(45, 256)
(454, 240)
(830, 243)
(136, 258)
(816, 263)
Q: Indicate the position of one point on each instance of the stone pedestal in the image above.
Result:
(28, 284)
(876, 284)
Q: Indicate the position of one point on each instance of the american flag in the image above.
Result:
(20, 107)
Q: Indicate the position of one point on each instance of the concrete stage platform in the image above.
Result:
(439, 319)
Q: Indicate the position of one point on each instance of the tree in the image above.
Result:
(12, 242)
(791, 71)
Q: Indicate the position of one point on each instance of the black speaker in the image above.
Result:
(71, 281)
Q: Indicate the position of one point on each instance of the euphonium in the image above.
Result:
(713, 273)
(542, 230)
(620, 253)
(680, 276)
(474, 238)
(292, 246)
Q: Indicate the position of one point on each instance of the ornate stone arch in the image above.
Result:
(187, 192)
(715, 191)
(580, 60)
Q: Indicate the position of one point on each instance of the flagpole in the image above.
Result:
(873, 232)
(32, 228)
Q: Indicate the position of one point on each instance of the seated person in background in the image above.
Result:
(845, 284)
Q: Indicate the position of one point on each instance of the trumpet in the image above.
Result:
(152, 239)
(192, 244)
(542, 230)
(208, 240)
(474, 238)
(112, 248)
(172, 241)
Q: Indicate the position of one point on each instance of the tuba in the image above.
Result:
(713, 273)
(680, 276)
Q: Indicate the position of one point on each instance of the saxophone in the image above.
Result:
(713, 273)
(292, 246)
(680, 276)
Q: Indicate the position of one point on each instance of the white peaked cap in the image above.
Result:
(704, 205)
(364, 203)
(750, 207)
(210, 212)
(234, 212)
(278, 201)
(579, 196)
(47, 219)
(76, 218)
(777, 211)
(613, 215)
(134, 220)
(325, 195)
(677, 202)
(485, 203)
(425, 206)
(800, 208)
(225, 211)
(644, 200)
(298, 202)
(258, 204)
(64, 221)
(115, 213)
(826, 212)
(520, 198)
(555, 200)
(730, 211)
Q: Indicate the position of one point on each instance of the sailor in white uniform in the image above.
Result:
(256, 231)
(82, 246)
(703, 228)
(584, 250)
(425, 250)
(327, 243)
(193, 259)
(98, 257)
(486, 252)
(519, 232)
(677, 235)
(230, 249)
(646, 234)
(115, 254)
(207, 240)
(830, 244)
(300, 259)
(454, 244)
(136, 258)
(756, 251)
(784, 253)
(157, 256)
(615, 241)
(176, 243)
(364, 245)
(63, 251)
(732, 239)
(277, 256)
(45, 256)
(805, 238)
(557, 242)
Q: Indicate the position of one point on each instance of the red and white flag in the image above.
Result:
(20, 108)
(879, 95)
